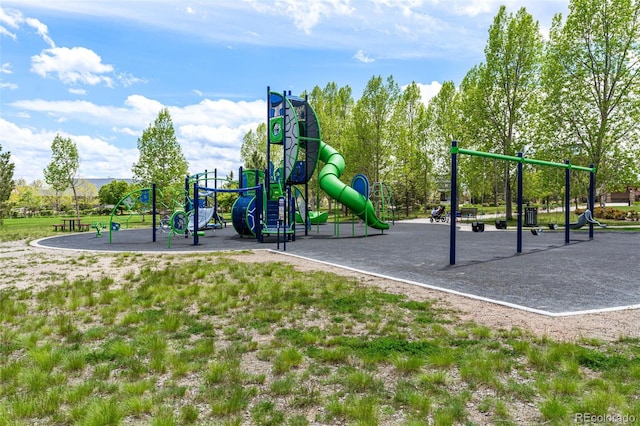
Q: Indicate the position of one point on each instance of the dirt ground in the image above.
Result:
(25, 266)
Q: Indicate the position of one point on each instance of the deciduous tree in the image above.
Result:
(591, 79)
(408, 125)
(7, 183)
(506, 86)
(369, 143)
(161, 159)
(253, 151)
(60, 173)
(113, 192)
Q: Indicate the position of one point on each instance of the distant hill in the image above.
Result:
(100, 182)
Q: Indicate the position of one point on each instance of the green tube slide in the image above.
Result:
(331, 184)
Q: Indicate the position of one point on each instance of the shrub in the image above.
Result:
(609, 213)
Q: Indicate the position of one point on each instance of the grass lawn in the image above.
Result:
(205, 339)
(39, 227)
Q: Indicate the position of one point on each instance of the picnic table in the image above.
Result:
(71, 224)
(468, 213)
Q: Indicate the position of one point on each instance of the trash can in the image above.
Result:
(530, 216)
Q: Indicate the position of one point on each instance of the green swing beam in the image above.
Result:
(524, 160)
(520, 160)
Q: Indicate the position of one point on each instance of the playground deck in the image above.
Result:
(549, 277)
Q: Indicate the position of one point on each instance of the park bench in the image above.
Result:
(59, 226)
(84, 226)
(469, 212)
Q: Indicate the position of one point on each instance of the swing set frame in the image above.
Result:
(520, 160)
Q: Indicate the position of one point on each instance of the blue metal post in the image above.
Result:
(592, 197)
(454, 202)
(215, 193)
(267, 175)
(154, 210)
(519, 229)
(567, 201)
(186, 199)
(260, 192)
(195, 214)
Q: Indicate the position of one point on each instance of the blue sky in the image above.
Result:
(99, 71)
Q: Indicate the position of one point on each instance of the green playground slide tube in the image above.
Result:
(331, 184)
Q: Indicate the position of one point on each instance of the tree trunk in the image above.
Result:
(508, 200)
(75, 201)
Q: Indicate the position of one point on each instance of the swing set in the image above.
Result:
(521, 160)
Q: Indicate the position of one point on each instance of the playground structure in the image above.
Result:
(271, 201)
(140, 201)
(293, 126)
(584, 219)
(147, 201)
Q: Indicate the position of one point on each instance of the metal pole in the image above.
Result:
(519, 210)
(154, 210)
(454, 202)
(285, 172)
(592, 198)
(259, 213)
(267, 175)
(567, 200)
(186, 200)
(305, 220)
(215, 193)
(196, 207)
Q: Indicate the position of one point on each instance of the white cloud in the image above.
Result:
(31, 152)
(41, 29)
(126, 79)
(305, 14)
(6, 68)
(362, 56)
(139, 111)
(474, 8)
(10, 86)
(384, 28)
(76, 65)
(86, 112)
(209, 132)
(428, 91)
(71, 65)
(126, 131)
(77, 91)
(219, 112)
(6, 32)
(9, 18)
(14, 19)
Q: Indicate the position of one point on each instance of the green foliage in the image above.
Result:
(113, 192)
(161, 159)
(500, 95)
(332, 105)
(369, 147)
(254, 148)
(7, 183)
(60, 173)
(591, 80)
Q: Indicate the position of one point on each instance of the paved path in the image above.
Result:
(549, 277)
